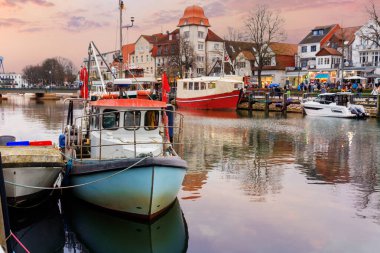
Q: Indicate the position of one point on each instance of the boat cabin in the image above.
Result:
(124, 128)
(340, 98)
(205, 86)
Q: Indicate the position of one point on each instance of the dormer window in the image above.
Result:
(318, 32)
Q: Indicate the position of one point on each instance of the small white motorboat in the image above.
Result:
(338, 105)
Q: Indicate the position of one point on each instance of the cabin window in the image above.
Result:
(211, 85)
(185, 85)
(196, 86)
(191, 84)
(151, 120)
(203, 85)
(95, 118)
(110, 119)
(238, 85)
(132, 120)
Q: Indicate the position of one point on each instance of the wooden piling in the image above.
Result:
(285, 102)
(267, 103)
(5, 230)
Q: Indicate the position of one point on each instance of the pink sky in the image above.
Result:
(33, 30)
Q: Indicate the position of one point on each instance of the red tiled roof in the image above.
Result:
(127, 50)
(211, 36)
(284, 48)
(194, 15)
(328, 51)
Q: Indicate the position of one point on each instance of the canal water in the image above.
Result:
(256, 183)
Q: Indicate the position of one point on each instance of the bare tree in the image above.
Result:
(186, 55)
(372, 34)
(263, 27)
(233, 35)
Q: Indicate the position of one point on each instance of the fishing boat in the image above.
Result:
(121, 156)
(28, 166)
(338, 105)
(209, 92)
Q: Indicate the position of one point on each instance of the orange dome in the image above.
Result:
(194, 15)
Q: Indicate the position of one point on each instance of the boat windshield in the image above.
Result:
(325, 99)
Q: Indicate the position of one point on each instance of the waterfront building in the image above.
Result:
(110, 58)
(366, 54)
(12, 79)
(241, 61)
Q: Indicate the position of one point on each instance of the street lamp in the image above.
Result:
(50, 78)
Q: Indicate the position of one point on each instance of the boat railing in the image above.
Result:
(170, 129)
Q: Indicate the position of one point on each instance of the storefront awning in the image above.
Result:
(295, 74)
(322, 76)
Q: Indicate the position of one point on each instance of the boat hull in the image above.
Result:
(329, 111)
(144, 190)
(28, 176)
(222, 101)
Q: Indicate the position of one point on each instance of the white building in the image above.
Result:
(12, 79)
(366, 54)
(208, 47)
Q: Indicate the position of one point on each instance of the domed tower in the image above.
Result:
(193, 26)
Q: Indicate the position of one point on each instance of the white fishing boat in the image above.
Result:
(338, 105)
(120, 153)
(28, 167)
(209, 92)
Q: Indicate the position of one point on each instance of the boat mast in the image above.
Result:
(121, 7)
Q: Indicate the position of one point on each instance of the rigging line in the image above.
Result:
(78, 185)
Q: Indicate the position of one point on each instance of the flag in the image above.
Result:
(83, 76)
(165, 87)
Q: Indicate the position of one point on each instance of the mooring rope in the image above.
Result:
(18, 241)
(78, 185)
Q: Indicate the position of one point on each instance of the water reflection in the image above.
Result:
(256, 152)
(100, 231)
(39, 229)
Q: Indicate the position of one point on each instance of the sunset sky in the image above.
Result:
(33, 30)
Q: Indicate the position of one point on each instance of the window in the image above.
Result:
(376, 58)
(363, 57)
(318, 32)
(313, 48)
(185, 85)
(191, 85)
(142, 58)
(186, 34)
(200, 45)
(203, 85)
(147, 58)
(200, 58)
(241, 65)
(110, 119)
(216, 46)
(211, 85)
(132, 120)
(304, 49)
(200, 70)
(196, 86)
(151, 120)
(172, 49)
(200, 34)
(327, 61)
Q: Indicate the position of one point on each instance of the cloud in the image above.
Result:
(79, 23)
(32, 29)
(13, 3)
(215, 9)
(11, 22)
(166, 17)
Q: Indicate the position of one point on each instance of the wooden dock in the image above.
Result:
(289, 102)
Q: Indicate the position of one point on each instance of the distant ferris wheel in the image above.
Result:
(1, 64)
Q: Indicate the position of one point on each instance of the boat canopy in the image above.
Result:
(129, 103)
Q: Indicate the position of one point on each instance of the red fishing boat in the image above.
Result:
(222, 93)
